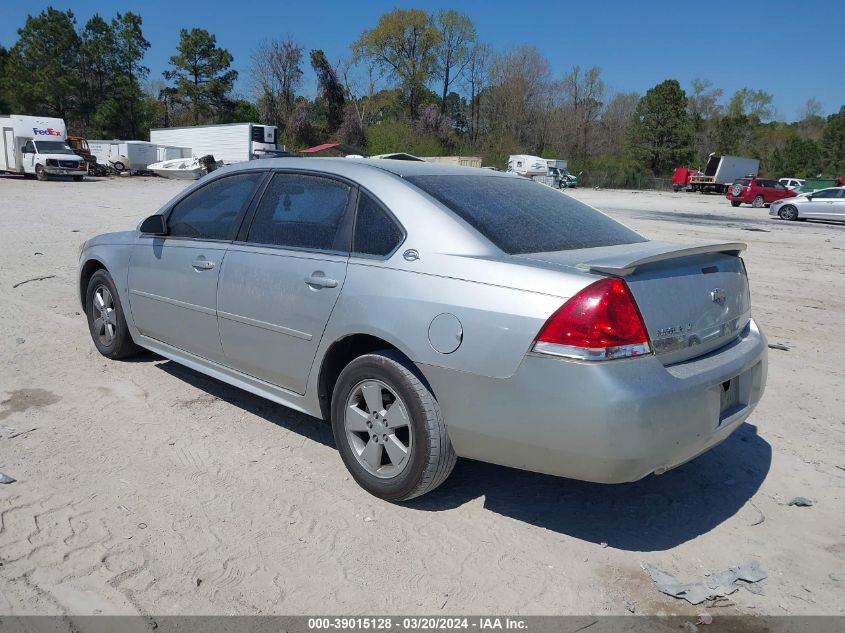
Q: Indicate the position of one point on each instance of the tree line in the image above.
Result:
(417, 81)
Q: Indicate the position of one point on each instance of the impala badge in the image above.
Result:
(718, 296)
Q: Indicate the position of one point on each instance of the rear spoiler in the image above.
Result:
(623, 264)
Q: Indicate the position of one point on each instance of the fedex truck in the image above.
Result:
(35, 146)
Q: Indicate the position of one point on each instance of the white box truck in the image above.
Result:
(128, 156)
(721, 171)
(230, 143)
(35, 146)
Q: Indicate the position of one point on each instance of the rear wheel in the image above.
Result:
(40, 173)
(788, 212)
(106, 320)
(758, 202)
(389, 428)
(735, 203)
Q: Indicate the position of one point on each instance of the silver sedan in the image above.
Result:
(824, 204)
(428, 312)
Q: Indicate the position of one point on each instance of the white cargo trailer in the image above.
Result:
(124, 155)
(230, 143)
(527, 165)
(35, 146)
(721, 171)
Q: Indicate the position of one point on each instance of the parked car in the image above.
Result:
(757, 192)
(429, 311)
(824, 204)
(793, 184)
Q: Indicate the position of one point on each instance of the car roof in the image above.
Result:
(401, 168)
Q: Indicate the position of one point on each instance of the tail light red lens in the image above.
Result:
(602, 322)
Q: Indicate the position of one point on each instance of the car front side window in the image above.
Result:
(210, 212)
(302, 211)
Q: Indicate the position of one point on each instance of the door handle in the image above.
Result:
(202, 264)
(319, 280)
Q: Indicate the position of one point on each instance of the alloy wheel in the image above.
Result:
(105, 317)
(378, 429)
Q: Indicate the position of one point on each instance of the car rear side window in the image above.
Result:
(300, 211)
(210, 211)
(376, 233)
(522, 216)
(743, 182)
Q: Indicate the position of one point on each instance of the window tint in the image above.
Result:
(302, 212)
(376, 233)
(522, 216)
(826, 193)
(210, 212)
(29, 147)
(743, 182)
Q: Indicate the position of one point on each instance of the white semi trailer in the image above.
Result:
(35, 146)
(230, 143)
(721, 171)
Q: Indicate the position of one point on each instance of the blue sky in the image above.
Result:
(777, 46)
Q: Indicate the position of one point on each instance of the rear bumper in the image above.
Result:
(610, 422)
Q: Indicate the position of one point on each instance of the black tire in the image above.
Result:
(120, 344)
(41, 174)
(788, 212)
(735, 203)
(759, 202)
(119, 167)
(78, 178)
(431, 457)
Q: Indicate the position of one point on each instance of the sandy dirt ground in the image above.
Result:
(144, 487)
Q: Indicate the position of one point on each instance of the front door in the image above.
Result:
(173, 279)
(825, 205)
(279, 286)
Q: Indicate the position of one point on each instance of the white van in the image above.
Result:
(35, 146)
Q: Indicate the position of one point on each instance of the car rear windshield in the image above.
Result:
(521, 216)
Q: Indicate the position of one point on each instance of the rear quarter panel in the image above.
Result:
(498, 323)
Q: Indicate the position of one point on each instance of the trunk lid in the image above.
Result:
(693, 298)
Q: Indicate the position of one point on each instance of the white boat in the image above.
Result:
(184, 168)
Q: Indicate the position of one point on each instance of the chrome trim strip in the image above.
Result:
(265, 326)
(591, 353)
(175, 302)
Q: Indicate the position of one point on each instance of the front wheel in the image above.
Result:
(389, 428)
(788, 212)
(41, 173)
(106, 320)
(758, 202)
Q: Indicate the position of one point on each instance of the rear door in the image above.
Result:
(778, 191)
(173, 279)
(283, 276)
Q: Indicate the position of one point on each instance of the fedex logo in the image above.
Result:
(48, 132)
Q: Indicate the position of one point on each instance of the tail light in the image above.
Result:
(602, 322)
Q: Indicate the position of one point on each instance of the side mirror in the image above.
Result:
(154, 225)
(810, 197)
